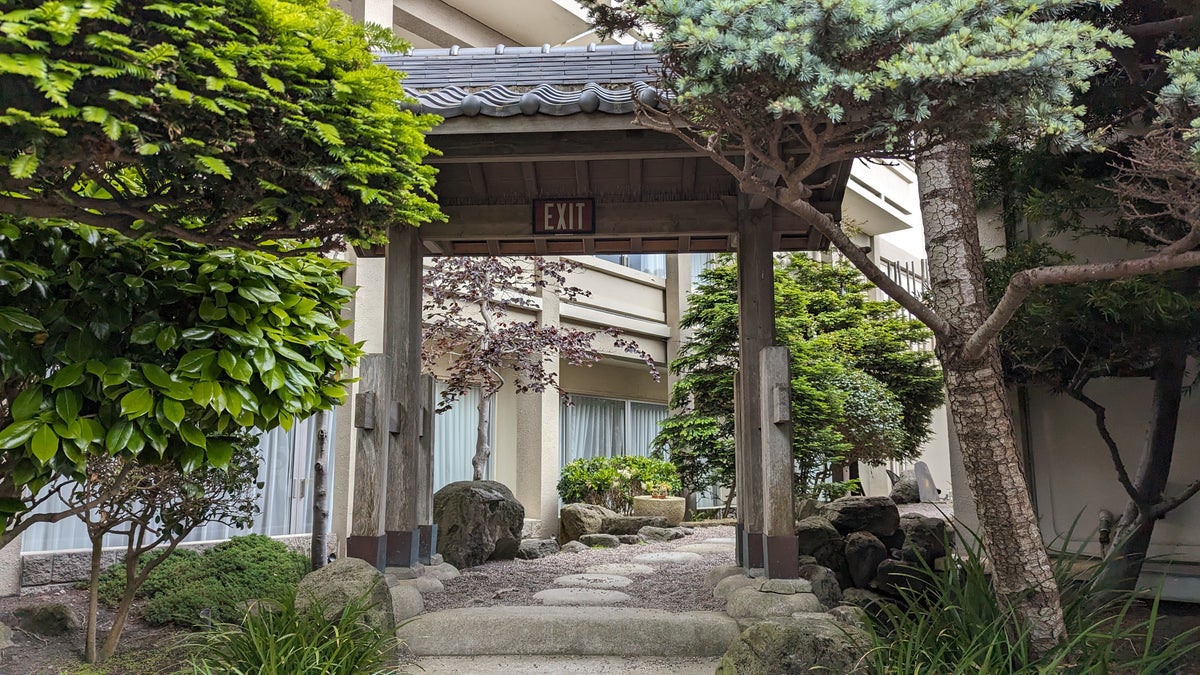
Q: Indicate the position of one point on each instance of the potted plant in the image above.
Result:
(659, 502)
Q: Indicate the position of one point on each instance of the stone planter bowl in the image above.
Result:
(671, 508)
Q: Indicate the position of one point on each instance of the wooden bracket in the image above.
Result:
(364, 410)
(394, 418)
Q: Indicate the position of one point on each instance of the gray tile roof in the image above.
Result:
(507, 81)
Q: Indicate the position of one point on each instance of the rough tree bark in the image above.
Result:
(483, 447)
(1022, 574)
(320, 522)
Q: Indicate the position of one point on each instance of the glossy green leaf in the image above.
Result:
(157, 376)
(192, 434)
(118, 437)
(44, 443)
(219, 453)
(137, 403)
(68, 403)
(27, 404)
(173, 410)
(17, 433)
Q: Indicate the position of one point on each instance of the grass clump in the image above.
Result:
(951, 622)
(191, 589)
(273, 641)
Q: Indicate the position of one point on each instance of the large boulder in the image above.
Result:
(905, 490)
(477, 520)
(600, 540)
(51, 619)
(576, 520)
(877, 515)
(925, 538)
(864, 552)
(620, 525)
(787, 646)
(824, 583)
(344, 581)
(536, 548)
(815, 532)
(832, 554)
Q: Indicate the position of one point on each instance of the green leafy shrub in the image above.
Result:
(162, 579)
(613, 482)
(191, 589)
(954, 623)
(284, 640)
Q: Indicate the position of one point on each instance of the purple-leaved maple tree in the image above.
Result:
(471, 339)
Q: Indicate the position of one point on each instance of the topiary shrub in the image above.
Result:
(191, 589)
(613, 482)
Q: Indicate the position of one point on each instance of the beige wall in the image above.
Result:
(1074, 475)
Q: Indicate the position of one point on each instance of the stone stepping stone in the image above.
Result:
(623, 569)
(605, 581)
(668, 557)
(719, 540)
(590, 597)
(706, 548)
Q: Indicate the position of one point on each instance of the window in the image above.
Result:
(285, 469)
(650, 263)
(606, 427)
(454, 439)
(700, 262)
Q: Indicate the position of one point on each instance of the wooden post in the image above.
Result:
(427, 529)
(402, 340)
(781, 549)
(756, 329)
(367, 540)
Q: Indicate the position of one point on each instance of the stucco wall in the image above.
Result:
(1074, 476)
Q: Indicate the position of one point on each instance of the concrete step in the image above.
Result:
(568, 631)
(562, 665)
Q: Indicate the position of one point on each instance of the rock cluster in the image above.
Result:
(864, 543)
(597, 526)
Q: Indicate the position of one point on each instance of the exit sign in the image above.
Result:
(564, 216)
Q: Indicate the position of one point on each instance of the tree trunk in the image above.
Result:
(93, 617)
(1135, 528)
(483, 448)
(1022, 574)
(320, 522)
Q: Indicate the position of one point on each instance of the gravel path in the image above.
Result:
(673, 587)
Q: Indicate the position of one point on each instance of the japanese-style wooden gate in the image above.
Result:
(540, 156)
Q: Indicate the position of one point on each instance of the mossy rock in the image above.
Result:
(795, 646)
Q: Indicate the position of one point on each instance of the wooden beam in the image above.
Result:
(635, 178)
(693, 218)
(529, 174)
(542, 147)
(687, 181)
(583, 183)
(477, 178)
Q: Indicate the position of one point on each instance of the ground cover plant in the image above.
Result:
(196, 589)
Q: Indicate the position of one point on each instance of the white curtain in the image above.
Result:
(454, 439)
(643, 426)
(285, 469)
(591, 427)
